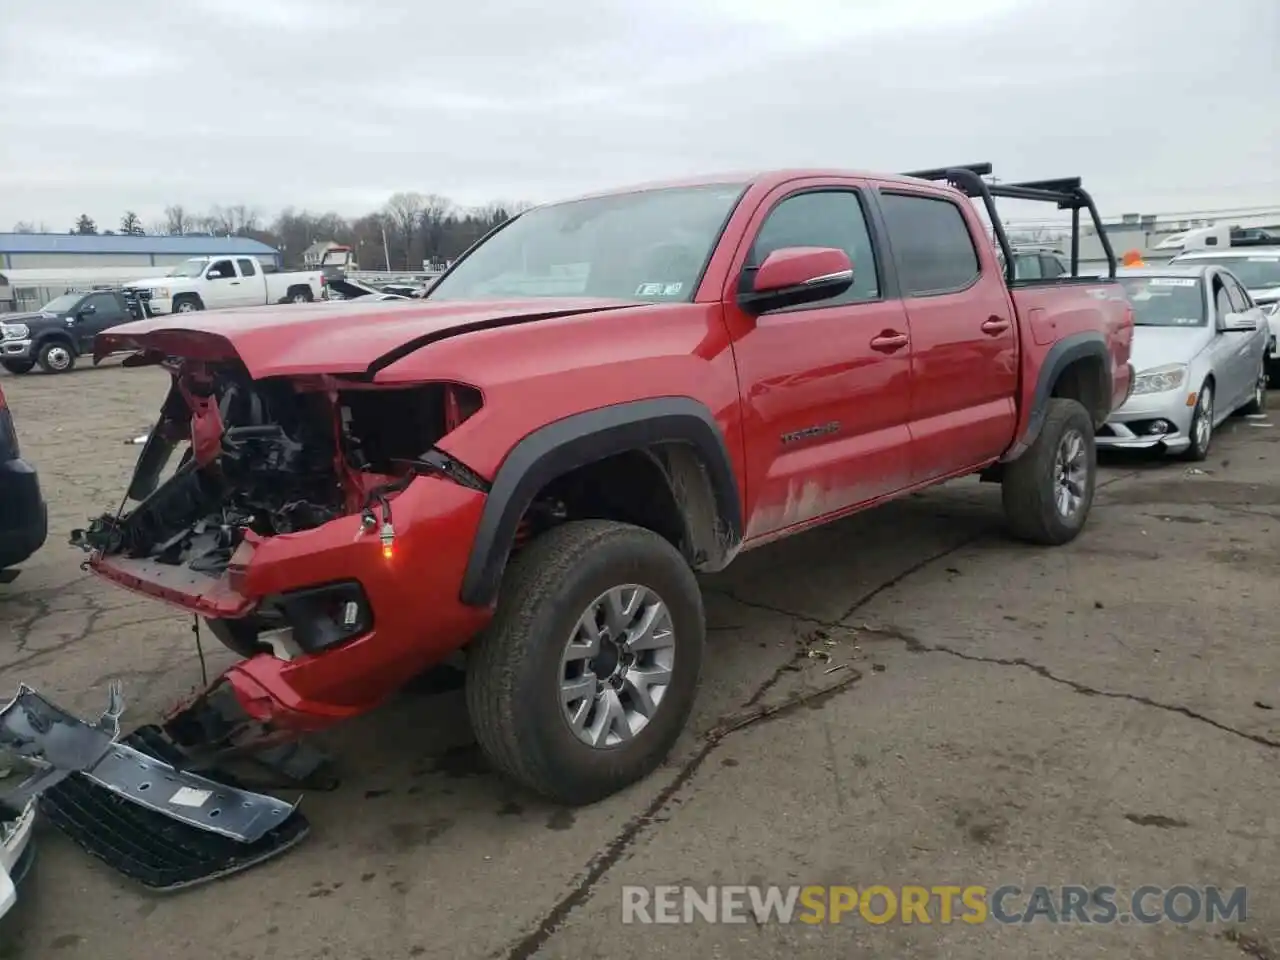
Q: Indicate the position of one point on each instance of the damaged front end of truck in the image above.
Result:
(298, 503)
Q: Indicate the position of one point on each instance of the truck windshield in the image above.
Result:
(1255, 273)
(61, 304)
(651, 245)
(188, 268)
(1166, 301)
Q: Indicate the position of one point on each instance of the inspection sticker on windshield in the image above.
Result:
(1172, 282)
(659, 289)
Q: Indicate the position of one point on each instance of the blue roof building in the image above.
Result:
(54, 251)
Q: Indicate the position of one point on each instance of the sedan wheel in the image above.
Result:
(1201, 425)
(1258, 402)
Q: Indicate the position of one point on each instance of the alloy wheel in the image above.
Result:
(616, 666)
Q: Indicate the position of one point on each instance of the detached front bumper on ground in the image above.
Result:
(130, 802)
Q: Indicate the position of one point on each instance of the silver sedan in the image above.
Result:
(1199, 352)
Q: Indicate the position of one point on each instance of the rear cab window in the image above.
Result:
(931, 243)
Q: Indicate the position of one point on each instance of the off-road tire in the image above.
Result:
(514, 666)
(18, 366)
(53, 349)
(187, 298)
(1029, 483)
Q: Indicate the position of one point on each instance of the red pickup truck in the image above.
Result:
(600, 398)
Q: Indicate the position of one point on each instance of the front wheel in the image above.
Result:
(587, 674)
(18, 366)
(1048, 491)
(1201, 431)
(57, 357)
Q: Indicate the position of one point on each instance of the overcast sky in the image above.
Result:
(333, 105)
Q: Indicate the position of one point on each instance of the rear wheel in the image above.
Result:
(1048, 491)
(587, 674)
(56, 357)
(18, 366)
(300, 296)
(1258, 402)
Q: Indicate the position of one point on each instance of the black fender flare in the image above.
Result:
(38, 340)
(576, 441)
(1061, 355)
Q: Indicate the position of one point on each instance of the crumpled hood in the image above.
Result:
(1158, 346)
(340, 338)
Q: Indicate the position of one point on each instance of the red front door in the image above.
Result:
(826, 386)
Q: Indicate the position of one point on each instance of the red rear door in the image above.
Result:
(825, 386)
(964, 353)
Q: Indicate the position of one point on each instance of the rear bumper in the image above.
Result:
(24, 516)
(416, 616)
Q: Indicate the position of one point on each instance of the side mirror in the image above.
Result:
(213, 275)
(1237, 323)
(793, 276)
(87, 310)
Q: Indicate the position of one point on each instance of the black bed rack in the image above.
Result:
(1066, 192)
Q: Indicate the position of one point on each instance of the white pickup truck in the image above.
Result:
(215, 283)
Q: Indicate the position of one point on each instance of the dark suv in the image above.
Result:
(24, 516)
(60, 331)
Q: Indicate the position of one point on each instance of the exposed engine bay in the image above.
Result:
(272, 456)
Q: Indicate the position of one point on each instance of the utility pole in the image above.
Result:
(386, 251)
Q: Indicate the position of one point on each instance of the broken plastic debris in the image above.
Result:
(57, 745)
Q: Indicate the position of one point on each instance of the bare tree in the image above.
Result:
(26, 226)
(405, 211)
(176, 221)
(131, 225)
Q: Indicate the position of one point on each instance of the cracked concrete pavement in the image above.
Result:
(1104, 713)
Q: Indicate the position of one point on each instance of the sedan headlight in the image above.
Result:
(14, 331)
(1160, 379)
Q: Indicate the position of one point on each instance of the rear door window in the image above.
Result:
(931, 243)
